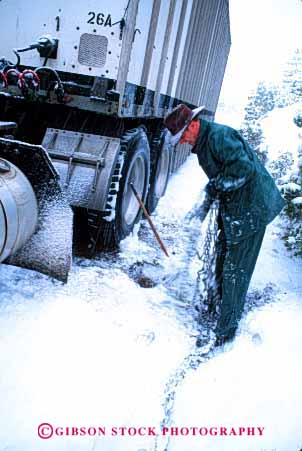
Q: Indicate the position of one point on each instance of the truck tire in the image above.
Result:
(161, 157)
(108, 228)
(136, 170)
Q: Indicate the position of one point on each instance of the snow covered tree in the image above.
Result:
(291, 89)
(292, 193)
(252, 132)
(279, 168)
(260, 102)
(291, 188)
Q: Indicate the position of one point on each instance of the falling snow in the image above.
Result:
(100, 350)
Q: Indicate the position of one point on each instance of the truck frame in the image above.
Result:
(84, 88)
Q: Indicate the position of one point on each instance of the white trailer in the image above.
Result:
(89, 83)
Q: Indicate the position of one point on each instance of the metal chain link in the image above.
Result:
(206, 296)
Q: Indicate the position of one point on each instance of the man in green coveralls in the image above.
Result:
(248, 199)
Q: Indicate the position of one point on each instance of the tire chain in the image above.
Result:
(206, 297)
(207, 316)
(191, 362)
(100, 228)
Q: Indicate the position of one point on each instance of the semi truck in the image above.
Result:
(84, 89)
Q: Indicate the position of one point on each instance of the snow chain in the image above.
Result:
(206, 297)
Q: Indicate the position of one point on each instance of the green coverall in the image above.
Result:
(249, 200)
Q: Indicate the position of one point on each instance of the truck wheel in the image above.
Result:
(160, 172)
(136, 170)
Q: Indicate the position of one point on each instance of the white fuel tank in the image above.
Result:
(18, 209)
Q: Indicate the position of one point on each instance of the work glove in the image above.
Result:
(200, 211)
(211, 190)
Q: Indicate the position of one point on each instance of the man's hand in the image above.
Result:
(196, 213)
(200, 212)
(211, 190)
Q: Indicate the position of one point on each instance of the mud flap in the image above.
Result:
(49, 250)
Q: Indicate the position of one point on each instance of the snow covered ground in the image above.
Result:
(99, 351)
(256, 381)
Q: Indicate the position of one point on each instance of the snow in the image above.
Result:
(254, 384)
(297, 200)
(229, 115)
(228, 184)
(100, 350)
(256, 381)
(292, 187)
(291, 240)
(115, 187)
(50, 248)
(281, 133)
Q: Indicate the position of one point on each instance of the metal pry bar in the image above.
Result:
(160, 242)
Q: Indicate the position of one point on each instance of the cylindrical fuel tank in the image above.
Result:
(18, 209)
